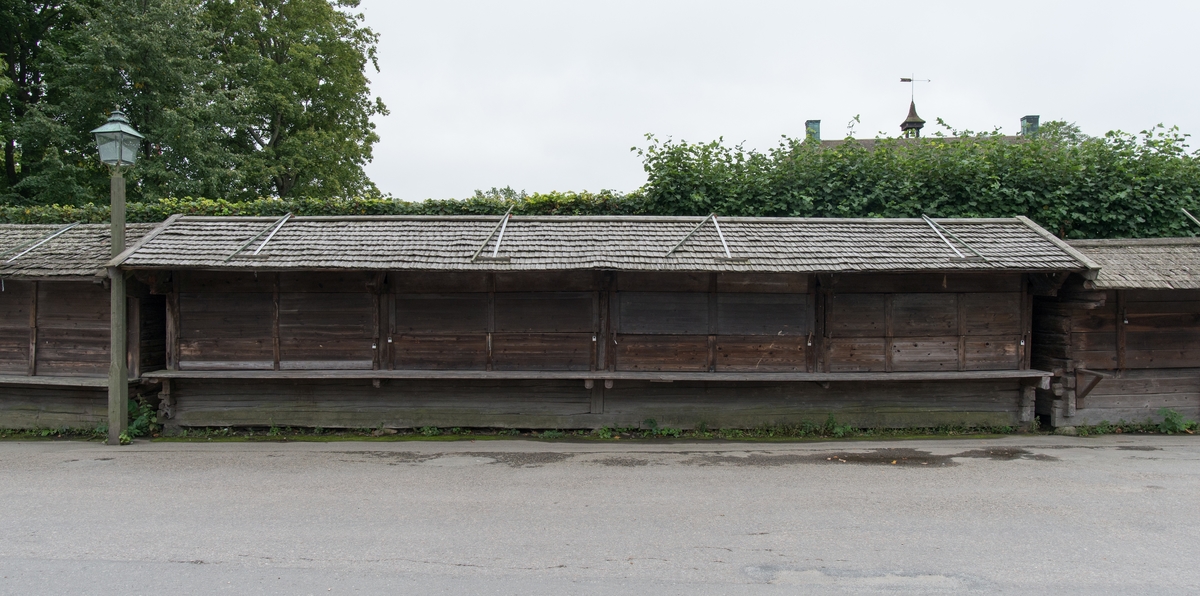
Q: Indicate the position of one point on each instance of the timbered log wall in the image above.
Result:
(1144, 345)
(356, 403)
(60, 329)
(594, 321)
(923, 322)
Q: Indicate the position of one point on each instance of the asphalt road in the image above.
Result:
(1059, 515)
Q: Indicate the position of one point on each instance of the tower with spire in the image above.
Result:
(911, 127)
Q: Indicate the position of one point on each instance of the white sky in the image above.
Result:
(551, 95)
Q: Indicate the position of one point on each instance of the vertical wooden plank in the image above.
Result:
(962, 331)
(712, 322)
(491, 316)
(172, 346)
(133, 338)
(887, 333)
(822, 327)
(596, 331)
(810, 353)
(391, 318)
(597, 405)
(1025, 350)
(1122, 321)
(275, 322)
(33, 331)
(1028, 400)
(614, 322)
(376, 323)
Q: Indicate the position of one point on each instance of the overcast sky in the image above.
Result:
(551, 95)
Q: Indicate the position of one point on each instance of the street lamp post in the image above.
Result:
(118, 144)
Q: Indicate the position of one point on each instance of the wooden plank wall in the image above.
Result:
(1146, 342)
(72, 329)
(16, 306)
(54, 328)
(924, 322)
(52, 407)
(589, 320)
(565, 404)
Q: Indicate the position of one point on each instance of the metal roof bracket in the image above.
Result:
(272, 229)
(500, 227)
(720, 235)
(32, 244)
(1190, 216)
(939, 230)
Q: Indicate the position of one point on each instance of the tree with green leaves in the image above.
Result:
(151, 59)
(238, 99)
(305, 128)
(27, 28)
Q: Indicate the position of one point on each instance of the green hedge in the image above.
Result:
(1116, 186)
(491, 203)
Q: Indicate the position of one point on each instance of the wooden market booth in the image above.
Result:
(583, 322)
(54, 325)
(1127, 343)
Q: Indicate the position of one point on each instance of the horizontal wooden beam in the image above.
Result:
(595, 375)
(54, 381)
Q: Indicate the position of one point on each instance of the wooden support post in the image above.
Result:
(172, 347)
(118, 380)
(614, 324)
(491, 316)
(1122, 321)
(712, 322)
(1069, 403)
(379, 319)
(823, 295)
(962, 331)
(275, 348)
(887, 333)
(1024, 348)
(1028, 401)
(133, 338)
(597, 333)
(33, 329)
(597, 405)
(391, 322)
(166, 401)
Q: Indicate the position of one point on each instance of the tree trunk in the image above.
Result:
(10, 161)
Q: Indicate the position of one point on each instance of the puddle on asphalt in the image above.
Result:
(897, 456)
(873, 457)
(516, 460)
(623, 462)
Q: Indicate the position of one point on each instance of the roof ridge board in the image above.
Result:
(1131, 242)
(609, 218)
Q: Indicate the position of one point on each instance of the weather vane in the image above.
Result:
(912, 85)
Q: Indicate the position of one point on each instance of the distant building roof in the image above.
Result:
(82, 251)
(1147, 263)
(618, 243)
(870, 144)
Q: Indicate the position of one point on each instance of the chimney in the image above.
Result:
(812, 130)
(1029, 126)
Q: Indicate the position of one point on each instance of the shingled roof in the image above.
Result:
(1147, 263)
(81, 251)
(620, 243)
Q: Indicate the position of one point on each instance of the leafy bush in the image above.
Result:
(1174, 422)
(1118, 185)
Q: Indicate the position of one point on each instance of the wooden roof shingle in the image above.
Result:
(619, 243)
(81, 251)
(1145, 263)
